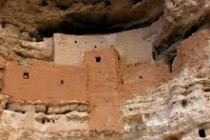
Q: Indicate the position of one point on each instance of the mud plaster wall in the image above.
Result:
(134, 45)
(137, 80)
(95, 81)
(46, 82)
(102, 89)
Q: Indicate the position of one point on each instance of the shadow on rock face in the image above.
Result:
(42, 18)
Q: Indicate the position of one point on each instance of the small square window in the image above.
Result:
(98, 59)
(26, 75)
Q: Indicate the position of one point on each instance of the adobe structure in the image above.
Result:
(86, 69)
(104, 70)
(93, 81)
(83, 89)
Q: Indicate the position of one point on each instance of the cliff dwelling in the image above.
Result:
(104, 69)
(80, 73)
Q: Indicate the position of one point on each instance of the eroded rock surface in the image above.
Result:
(44, 17)
(72, 69)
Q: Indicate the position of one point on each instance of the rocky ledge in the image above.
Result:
(154, 83)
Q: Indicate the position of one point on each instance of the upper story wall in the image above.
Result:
(133, 45)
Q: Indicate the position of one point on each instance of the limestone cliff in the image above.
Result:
(104, 69)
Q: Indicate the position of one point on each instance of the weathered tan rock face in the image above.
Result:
(181, 18)
(150, 83)
(178, 109)
(79, 16)
(17, 46)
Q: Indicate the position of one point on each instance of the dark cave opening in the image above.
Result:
(44, 3)
(170, 62)
(202, 133)
(69, 28)
(62, 7)
(184, 103)
(43, 121)
(158, 51)
(81, 25)
(135, 1)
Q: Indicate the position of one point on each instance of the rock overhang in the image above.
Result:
(154, 109)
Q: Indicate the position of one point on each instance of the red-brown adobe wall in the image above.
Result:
(47, 82)
(95, 82)
(105, 84)
(103, 90)
(140, 79)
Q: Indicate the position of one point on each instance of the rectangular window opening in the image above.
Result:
(26, 75)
